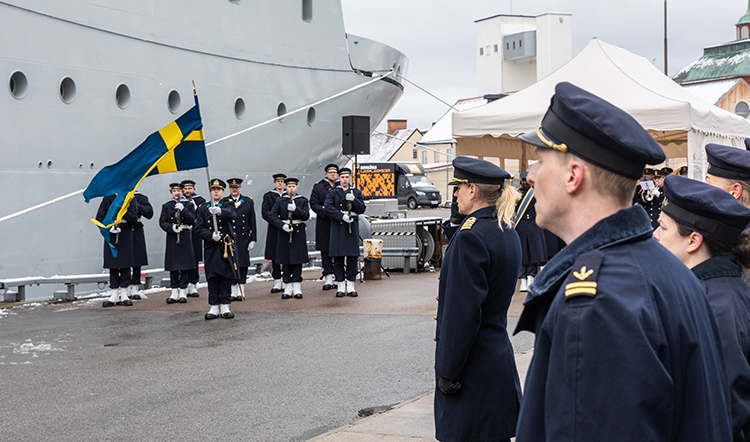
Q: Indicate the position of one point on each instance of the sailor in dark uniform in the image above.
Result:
(683, 171)
(702, 225)
(246, 231)
(119, 267)
(323, 223)
(651, 200)
(478, 390)
(627, 346)
(288, 215)
(343, 204)
(729, 169)
(140, 255)
(533, 241)
(219, 252)
(195, 200)
(272, 235)
(177, 219)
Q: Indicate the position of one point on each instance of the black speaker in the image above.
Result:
(356, 135)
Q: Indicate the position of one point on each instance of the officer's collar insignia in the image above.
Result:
(469, 223)
(583, 282)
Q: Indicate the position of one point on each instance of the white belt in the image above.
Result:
(186, 226)
(295, 221)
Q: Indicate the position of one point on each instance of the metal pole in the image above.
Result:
(666, 71)
(211, 198)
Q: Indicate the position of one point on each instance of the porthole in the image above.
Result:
(307, 10)
(122, 96)
(40, 164)
(80, 165)
(18, 84)
(281, 110)
(311, 114)
(67, 90)
(49, 164)
(91, 166)
(174, 101)
(234, 2)
(742, 109)
(239, 108)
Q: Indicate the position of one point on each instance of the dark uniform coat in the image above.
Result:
(272, 235)
(533, 241)
(213, 252)
(477, 282)
(322, 222)
(294, 252)
(196, 202)
(178, 256)
(140, 254)
(729, 296)
(653, 207)
(627, 347)
(245, 227)
(341, 242)
(124, 239)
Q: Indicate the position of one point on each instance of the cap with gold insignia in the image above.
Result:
(728, 162)
(661, 173)
(279, 176)
(235, 182)
(290, 180)
(704, 208)
(583, 124)
(173, 186)
(217, 183)
(332, 167)
(187, 183)
(345, 171)
(474, 170)
(681, 171)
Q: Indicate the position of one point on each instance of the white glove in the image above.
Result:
(287, 228)
(346, 218)
(179, 206)
(214, 210)
(115, 229)
(656, 192)
(216, 236)
(176, 228)
(251, 246)
(350, 196)
(291, 207)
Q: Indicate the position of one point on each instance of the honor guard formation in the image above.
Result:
(636, 279)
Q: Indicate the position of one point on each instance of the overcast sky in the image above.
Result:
(438, 37)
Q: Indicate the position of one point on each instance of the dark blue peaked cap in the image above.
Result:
(473, 170)
(728, 162)
(583, 124)
(704, 208)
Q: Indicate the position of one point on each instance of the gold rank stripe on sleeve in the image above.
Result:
(469, 223)
(575, 288)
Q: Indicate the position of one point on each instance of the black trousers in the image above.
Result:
(219, 290)
(243, 275)
(119, 278)
(178, 279)
(193, 275)
(528, 270)
(135, 277)
(327, 262)
(275, 270)
(292, 273)
(345, 267)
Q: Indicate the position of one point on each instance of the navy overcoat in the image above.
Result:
(123, 241)
(213, 252)
(294, 252)
(145, 210)
(196, 202)
(533, 241)
(341, 242)
(245, 227)
(322, 222)
(178, 256)
(272, 235)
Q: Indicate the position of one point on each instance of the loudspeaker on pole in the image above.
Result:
(355, 138)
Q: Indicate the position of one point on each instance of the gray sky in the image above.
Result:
(438, 37)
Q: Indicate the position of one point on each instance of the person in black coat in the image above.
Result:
(288, 215)
(323, 222)
(272, 234)
(195, 201)
(342, 206)
(246, 230)
(702, 225)
(177, 219)
(477, 386)
(652, 200)
(119, 267)
(140, 254)
(214, 226)
(533, 241)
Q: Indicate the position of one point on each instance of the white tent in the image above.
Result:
(681, 122)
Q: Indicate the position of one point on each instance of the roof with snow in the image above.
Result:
(384, 146)
(712, 92)
(442, 131)
(728, 60)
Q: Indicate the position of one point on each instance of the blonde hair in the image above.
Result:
(504, 199)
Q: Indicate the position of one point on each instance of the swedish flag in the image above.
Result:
(178, 146)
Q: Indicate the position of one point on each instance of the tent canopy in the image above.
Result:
(680, 121)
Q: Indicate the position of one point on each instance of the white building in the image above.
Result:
(514, 51)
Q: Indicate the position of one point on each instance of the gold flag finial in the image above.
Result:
(194, 91)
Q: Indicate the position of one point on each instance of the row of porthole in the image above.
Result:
(49, 165)
(19, 85)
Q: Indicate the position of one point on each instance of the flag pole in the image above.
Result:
(208, 177)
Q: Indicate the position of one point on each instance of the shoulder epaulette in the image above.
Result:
(582, 280)
(469, 223)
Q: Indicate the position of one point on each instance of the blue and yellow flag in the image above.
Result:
(178, 146)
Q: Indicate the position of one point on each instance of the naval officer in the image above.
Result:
(627, 346)
(177, 219)
(702, 225)
(342, 205)
(121, 235)
(195, 200)
(288, 215)
(729, 169)
(219, 252)
(140, 255)
(272, 234)
(245, 229)
(478, 389)
(323, 222)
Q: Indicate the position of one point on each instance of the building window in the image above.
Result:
(424, 157)
(307, 11)
(437, 156)
(520, 43)
(514, 45)
(487, 50)
(496, 49)
(481, 51)
(450, 154)
(414, 154)
(744, 32)
(507, 46)
(742, 109)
